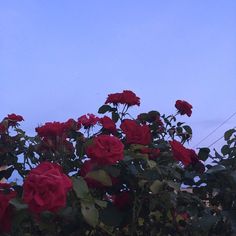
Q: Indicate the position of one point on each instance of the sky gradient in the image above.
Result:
(60, 59)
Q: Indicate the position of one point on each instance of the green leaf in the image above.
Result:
(187, 129)
(180, 123)
(225, 150)
(100, 176)
(151, 163)
(18, 204)
(156, 186)
(172, 184)
(215, 169)
(112, 170)
(203, 153)
(90, 213)
(229, 133)
(100, 203)
(115, 116)
(80, 187)
(103, 109)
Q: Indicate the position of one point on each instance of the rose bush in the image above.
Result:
(108, 174)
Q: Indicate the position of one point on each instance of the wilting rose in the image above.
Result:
(46, 187)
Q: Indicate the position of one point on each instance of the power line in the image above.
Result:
(213, 131)
(219, 139)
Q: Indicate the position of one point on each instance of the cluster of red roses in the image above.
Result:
(46, 186)
(10, 121)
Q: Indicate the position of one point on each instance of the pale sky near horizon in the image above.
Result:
(60, 59)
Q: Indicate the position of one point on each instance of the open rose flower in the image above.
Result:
(57, 129)
(126, 97)
(46, 187)
(88, 120)
(136, 133)
(183, 107)
(13, 119)
(105, 149)
(108, 124)
(51, 130)
(6, 194)
(185, 155)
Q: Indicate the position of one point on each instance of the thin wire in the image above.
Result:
(218, 139)
(213, 131)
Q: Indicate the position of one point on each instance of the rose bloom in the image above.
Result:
(105, 149)
(183, 107)
(6, 194)
(46, 187)
(185, 155)
(51, 130)
(71, 124)
(136, 133)
(126, 97)
(13, 119)
(108, 124)
(88, 120)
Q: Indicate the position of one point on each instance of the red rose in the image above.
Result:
(153, 153)
(71, 124)
(185, 155)
(136, 133)
(13, 119)
(88, 120)
(130, 98)
(108, 124)
(184, 107)
(114, 98)
(6, 194)
(51, 130)
(46, 187)
(105, 149)
(126, 97)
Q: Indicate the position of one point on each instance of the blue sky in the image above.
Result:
(60, 59)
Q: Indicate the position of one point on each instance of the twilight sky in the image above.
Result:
(60, 59)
